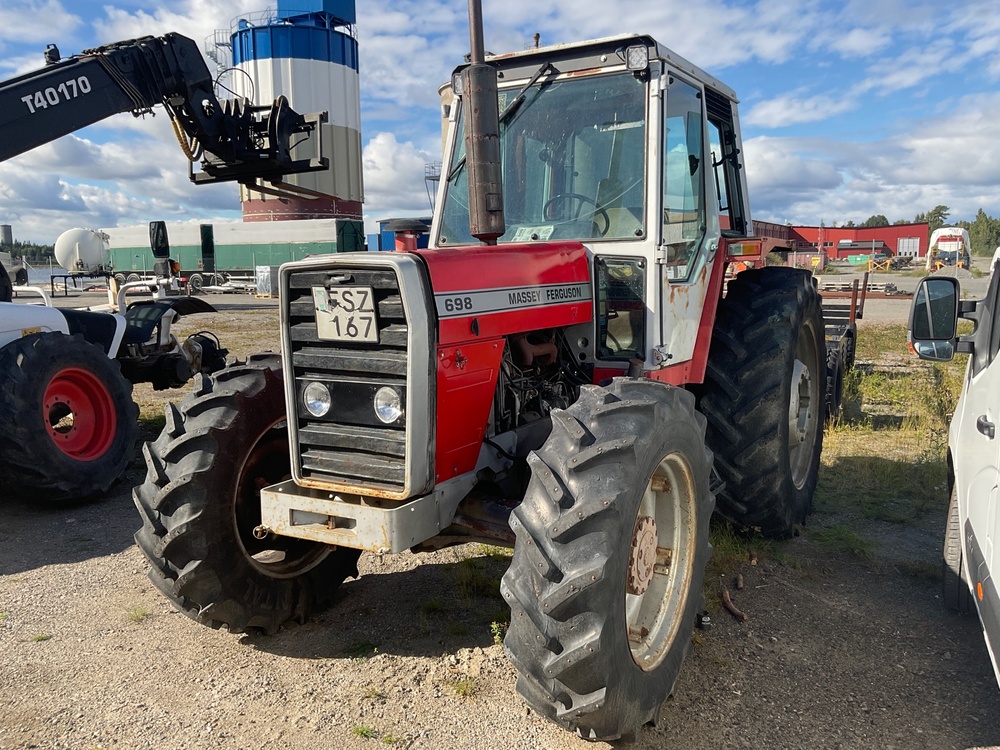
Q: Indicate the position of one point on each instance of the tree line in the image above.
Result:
(984, 230)
(35, 254)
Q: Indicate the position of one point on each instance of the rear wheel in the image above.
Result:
(70, 426)
(200, 505)
(195, 283)
(611, 547)
(954, 586)
(764, 398)
(6, 289)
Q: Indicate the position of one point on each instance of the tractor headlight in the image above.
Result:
(316, 398)
(388, 405)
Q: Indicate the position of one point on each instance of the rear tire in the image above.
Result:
(70, 426)
(6, 288)
(764, 398)
(955, 590)
(195, 283)
(200, 503)
(609, 559)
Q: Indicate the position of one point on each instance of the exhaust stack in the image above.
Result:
(482, 138)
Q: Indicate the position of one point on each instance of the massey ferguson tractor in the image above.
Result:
(69, 426)
(562, 371)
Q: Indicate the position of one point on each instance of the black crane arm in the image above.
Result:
(232, 139)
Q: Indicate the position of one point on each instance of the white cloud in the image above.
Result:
(394, 177)
(20, 22)
(791, 109)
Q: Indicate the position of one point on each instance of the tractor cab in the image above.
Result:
(625, 147)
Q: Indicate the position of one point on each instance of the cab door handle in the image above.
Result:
(986, 427)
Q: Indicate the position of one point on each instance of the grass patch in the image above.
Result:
(466, 687)
(41, 637)
(474, 580)
(360, 650)
(138, 613)
(364, 732)
(843, 537)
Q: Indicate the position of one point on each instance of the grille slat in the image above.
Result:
(333, 450)
(349, 437)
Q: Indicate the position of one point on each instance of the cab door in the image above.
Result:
(689, 233)
(975, 445)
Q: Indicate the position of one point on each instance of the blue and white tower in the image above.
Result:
(307, 51)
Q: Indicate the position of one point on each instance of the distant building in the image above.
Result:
(904, 240)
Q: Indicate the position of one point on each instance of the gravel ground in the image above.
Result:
(835, 653)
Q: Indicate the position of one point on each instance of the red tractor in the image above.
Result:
(576, 384)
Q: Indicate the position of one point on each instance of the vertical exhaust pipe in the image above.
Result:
(482, 138)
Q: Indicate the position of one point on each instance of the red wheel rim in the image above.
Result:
(79, 414)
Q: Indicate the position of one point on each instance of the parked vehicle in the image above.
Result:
(69, 420)
(972, 534)
(559, 371)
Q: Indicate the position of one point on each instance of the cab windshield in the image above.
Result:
(573, 163)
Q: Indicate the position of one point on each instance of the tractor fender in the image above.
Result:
(180, 305)
(17, 321)
(143, 316)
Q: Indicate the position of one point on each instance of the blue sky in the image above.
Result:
(848, 108)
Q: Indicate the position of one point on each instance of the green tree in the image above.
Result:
(878, 220)
(936, 218)
(984, 233)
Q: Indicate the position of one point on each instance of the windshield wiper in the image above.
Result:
(508, 112)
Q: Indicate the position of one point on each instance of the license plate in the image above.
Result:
(345, 313)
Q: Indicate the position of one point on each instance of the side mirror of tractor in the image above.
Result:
(158, 241)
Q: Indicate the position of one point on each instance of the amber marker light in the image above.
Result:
(979, 590)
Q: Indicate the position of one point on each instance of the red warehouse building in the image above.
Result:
(905, 240)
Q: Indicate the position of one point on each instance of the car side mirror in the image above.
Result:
(158, 241)
(934, 318)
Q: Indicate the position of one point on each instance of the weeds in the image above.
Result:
(466, 687)
(137, 614)
(845, 538)
(364, 732)
(360, 650)
(499, 630)
(41, 637)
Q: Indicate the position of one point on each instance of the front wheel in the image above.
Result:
(200, 506)
(609, 559)
(70, 426)
(955, 589)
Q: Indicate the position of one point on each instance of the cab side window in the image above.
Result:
(683, 178)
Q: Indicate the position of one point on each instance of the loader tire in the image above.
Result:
(6, 289)
(200, 504)
(764, 398)
(834, 383)
(611, 539)
(955, 590)
(70, 427)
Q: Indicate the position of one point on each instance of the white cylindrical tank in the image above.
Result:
(82, 250)
(306, 51)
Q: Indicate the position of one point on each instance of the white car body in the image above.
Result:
(973, 445)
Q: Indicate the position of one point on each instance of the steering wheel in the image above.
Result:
(582, 200)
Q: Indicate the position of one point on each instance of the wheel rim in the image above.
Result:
(79, 414)
(195, 282)
(803, 409)
(661, 562)
(275, 556)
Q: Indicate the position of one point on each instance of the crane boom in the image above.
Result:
(233, 139)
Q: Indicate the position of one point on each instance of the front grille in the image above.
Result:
(349, 446)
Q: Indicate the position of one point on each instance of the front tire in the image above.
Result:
(200, 504)
(764, 398)
(70, 426)
(955, 590)
(609, 559)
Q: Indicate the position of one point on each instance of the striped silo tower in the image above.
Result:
(307, 51)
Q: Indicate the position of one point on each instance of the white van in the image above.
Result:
(972, 534)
